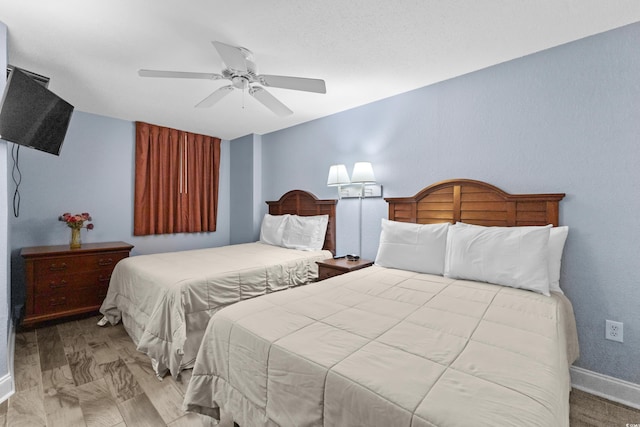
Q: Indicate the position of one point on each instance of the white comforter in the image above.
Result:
(165, 300)
(383, 347)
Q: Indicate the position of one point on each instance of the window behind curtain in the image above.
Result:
(176, 188)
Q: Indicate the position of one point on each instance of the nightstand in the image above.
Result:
(63, 282)
(335, 267)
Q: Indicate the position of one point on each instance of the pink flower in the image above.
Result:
(76, 221)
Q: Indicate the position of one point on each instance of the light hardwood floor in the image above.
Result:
(76, 374)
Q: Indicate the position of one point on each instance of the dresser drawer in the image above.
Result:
(71, 281)
(60, 265)
(69, 300)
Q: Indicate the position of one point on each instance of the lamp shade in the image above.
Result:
(338, 175)
(363, 173)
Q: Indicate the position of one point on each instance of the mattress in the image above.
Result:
(381, 347)
(165, 300)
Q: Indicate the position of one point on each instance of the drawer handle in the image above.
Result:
(54, 285)
(103, 262)
(61, 301)
(103, 279)
(58, 267)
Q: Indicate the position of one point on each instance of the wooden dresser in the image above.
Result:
(63, 282)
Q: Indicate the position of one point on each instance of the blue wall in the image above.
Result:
(94, 173)
(563, 120)
(5, 381)
(245, 190)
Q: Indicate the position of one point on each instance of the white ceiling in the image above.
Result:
(365, 50)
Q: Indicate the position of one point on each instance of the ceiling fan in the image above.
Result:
(243, 74)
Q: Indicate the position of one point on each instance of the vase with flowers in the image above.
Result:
(76, 223)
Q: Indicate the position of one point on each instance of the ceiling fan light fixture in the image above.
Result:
(240, 82)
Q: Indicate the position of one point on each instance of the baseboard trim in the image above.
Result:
(6, 387)
(605, 386)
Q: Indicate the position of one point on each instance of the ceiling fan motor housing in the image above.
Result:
(239, 79)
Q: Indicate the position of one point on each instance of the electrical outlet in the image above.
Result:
(614, 331)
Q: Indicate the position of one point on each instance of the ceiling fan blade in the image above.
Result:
(179, 74)
(233, 57)
(295, 83)
(269, 101)
(215, 97)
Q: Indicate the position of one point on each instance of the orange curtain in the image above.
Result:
(176, 181)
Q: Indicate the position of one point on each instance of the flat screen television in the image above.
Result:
(32, 115)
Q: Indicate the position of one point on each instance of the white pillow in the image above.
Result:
(508, 256)
(557, 239)
(272, 229)
(414, 247)
(305, 233)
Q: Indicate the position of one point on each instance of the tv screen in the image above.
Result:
(32, 115)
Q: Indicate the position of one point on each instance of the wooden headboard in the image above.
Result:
(475, 202)
(303, 203)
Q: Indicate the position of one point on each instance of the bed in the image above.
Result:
(165, 300)
(386, 346)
